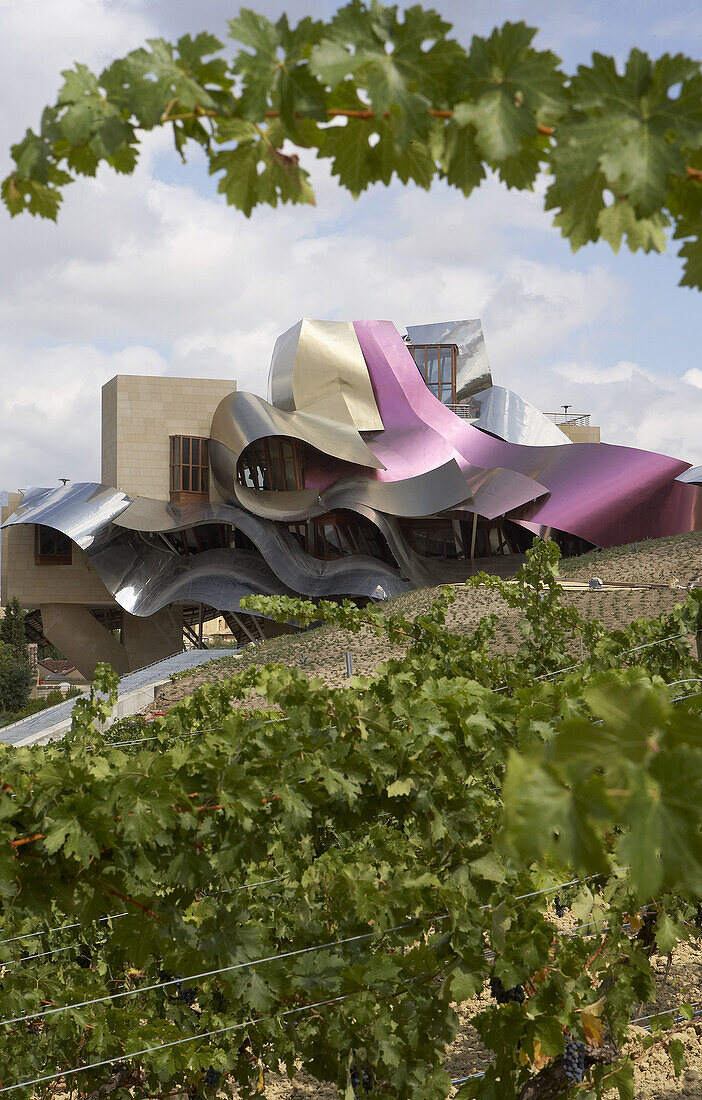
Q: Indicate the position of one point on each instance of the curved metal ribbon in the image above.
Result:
(599, 492)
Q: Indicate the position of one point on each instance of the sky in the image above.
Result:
(154, 274)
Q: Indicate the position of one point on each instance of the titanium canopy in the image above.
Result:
(507, 415)
(318, 367)
(378, 445)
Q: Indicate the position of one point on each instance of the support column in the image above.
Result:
(81, 638)
(150, 639)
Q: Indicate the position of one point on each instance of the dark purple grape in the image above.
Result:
(574, 1061)
(504, 996)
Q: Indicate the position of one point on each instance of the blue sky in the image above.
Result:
(155, 275)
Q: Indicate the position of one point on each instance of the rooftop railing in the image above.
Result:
(581, 419)
(466, 412)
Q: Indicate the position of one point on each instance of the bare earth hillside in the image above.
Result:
(660, 561)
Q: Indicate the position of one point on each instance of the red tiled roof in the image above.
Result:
(55, 665)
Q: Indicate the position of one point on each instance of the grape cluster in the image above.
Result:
(560, 908)
(189, 996)
(220, 1001)
(85, 956)
(647, 932)
(503, 996)
(574, 1061)
(360, 1079)
(212, 1077)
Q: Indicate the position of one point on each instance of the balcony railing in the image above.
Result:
(468, 411)
(581, 419)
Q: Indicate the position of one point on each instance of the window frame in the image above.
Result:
(55, 557)
(189, 464)
(273, 463)
(420, 354)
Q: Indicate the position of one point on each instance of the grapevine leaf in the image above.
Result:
(459, 157)
(464, 986)
(275, 69)
(505, 87)
(667, 933)
(619, 220)
(593, 1025)
(622, 1078)
(385, 56)
(676, 1050)
(354, 161)
(400, 787)
(627, 126)
(500, 125)
(580, 201)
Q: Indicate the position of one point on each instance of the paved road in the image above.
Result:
(151, 674)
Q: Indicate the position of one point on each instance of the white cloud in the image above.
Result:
(43, 37)
(50, 412)
(633, 406)
(598, 376)
(145, 276)
(152, 265)
(693, 377)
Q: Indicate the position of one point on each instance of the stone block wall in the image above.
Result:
(139, 414)
(36, 584)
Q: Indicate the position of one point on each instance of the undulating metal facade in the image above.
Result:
(387, 477)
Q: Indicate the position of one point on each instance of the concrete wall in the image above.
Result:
(139, 414)
(82, 639)
(85, 641)
(125, 707)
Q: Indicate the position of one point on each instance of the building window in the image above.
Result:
(196, 540)
(51, 547)
(437, 366)
(336, 535)
(190, 469)
(272, 463)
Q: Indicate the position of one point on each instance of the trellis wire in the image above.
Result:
(638, 1020)
(204, 974)
(176, 1042)
(634, 649)
(691, 695)
(39, 955)
(272, 958)
(115, 916)
(234, 1027)
(59, 950)
(264, 1019)
(61, 928)
(186, 733)
(697, 1011)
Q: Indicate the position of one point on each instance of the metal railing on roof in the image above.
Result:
(466, 412)
(581, 419)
